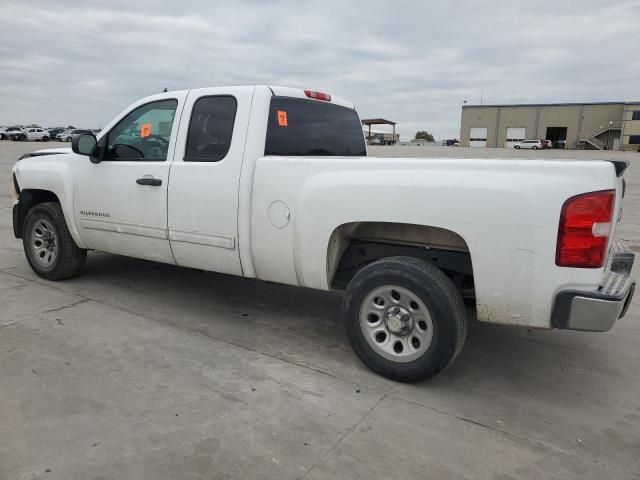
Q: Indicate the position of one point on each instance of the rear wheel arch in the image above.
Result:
(353, 246)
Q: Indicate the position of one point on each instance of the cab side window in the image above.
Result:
(144, 134)
(210, 129)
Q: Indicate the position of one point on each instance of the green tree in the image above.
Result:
(423, 135)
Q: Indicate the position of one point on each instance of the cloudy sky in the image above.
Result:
(80, 63)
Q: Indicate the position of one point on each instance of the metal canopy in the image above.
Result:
(378, 121)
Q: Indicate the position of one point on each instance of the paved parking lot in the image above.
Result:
(141, 370)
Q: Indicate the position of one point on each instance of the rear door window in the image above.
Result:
(211, 128)
(299, 127)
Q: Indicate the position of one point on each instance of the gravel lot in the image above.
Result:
(141, 370)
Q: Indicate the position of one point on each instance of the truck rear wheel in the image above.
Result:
(404, 318)
(48, 245)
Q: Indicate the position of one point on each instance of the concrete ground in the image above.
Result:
(137, 370)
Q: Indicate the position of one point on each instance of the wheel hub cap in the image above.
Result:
(48, 241)
(398, 320)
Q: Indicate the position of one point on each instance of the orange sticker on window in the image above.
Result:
(145, 130)
(282, 118)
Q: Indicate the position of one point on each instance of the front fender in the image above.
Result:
(51, 173)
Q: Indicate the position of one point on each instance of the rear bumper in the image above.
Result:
(598, 311)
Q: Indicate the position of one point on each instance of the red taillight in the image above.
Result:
(318, 95)
(585, 224)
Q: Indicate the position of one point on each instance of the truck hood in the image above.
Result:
(46, 151)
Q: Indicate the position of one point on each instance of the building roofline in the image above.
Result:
(573, 104)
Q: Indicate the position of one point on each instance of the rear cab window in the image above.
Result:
(301, 127)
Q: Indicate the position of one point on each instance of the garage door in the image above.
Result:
(477, 137)
(515, 135)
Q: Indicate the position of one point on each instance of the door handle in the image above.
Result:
(154, 182)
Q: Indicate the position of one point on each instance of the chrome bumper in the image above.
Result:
(598, 311)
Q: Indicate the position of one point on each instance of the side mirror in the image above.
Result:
(84, 144)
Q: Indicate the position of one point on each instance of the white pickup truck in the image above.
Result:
(274, 183)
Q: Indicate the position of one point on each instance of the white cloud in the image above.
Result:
(76, 63)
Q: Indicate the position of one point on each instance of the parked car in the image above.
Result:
(376, 141)
(8, 132)
(67, 135)
(18, 134)
(531, 144)
(53, 132)
(452, 142)
(547, 143)
(33, 134)
(238, 180)
(64, 132)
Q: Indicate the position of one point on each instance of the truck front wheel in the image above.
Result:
(48, 245)
(404, 318)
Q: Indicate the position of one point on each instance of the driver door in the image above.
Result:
(120, 203)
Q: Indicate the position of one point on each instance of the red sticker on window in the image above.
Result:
(282, 118)
(145, 130)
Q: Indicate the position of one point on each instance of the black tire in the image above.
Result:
(435, 290)
(45, 139)
(517, 147)
(70, 258)
(535, 148)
